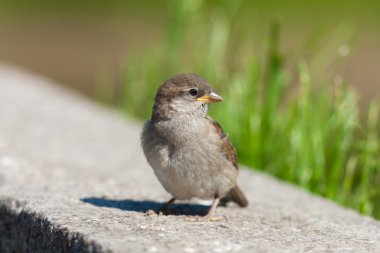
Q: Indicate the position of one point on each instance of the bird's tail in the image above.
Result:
(235, 195)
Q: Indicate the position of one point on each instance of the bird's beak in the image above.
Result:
(212, 97)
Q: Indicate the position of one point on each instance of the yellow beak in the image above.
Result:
(212, 97)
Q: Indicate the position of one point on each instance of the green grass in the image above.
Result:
(291, 115)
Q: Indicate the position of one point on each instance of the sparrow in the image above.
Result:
(189, 152)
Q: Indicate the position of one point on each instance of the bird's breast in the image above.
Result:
(188, 161)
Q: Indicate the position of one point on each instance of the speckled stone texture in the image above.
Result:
(73, 179)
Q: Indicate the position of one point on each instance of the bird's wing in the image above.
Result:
(235, 194)
(225, 145)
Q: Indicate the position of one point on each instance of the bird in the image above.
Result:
(188, 150)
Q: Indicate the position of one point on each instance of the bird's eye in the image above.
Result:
(193, 92)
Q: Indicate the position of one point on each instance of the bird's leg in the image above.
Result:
(210, 214)
(213, 207)
(165, 208)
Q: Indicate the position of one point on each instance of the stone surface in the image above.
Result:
(73, 179)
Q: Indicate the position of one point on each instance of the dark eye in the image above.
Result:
(193, 92)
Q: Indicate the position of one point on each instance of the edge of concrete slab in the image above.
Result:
(23, 230)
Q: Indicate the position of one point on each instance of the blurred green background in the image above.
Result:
(300, 79)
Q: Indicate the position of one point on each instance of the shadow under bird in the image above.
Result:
(188, 150)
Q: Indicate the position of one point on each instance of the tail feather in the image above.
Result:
(235, 195)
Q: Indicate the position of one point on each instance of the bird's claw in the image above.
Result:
(151, 212)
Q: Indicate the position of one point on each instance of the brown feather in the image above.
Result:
(225, 145)
(235, 195)
(228, 150)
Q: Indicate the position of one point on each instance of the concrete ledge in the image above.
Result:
(23, 230)
(73, 179)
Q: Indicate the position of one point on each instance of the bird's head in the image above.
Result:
(184, 94)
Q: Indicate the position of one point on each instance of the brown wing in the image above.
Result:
(235, 194)
(225, 145)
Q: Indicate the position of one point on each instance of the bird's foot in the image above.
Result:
(165, 211)
(150, 212)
